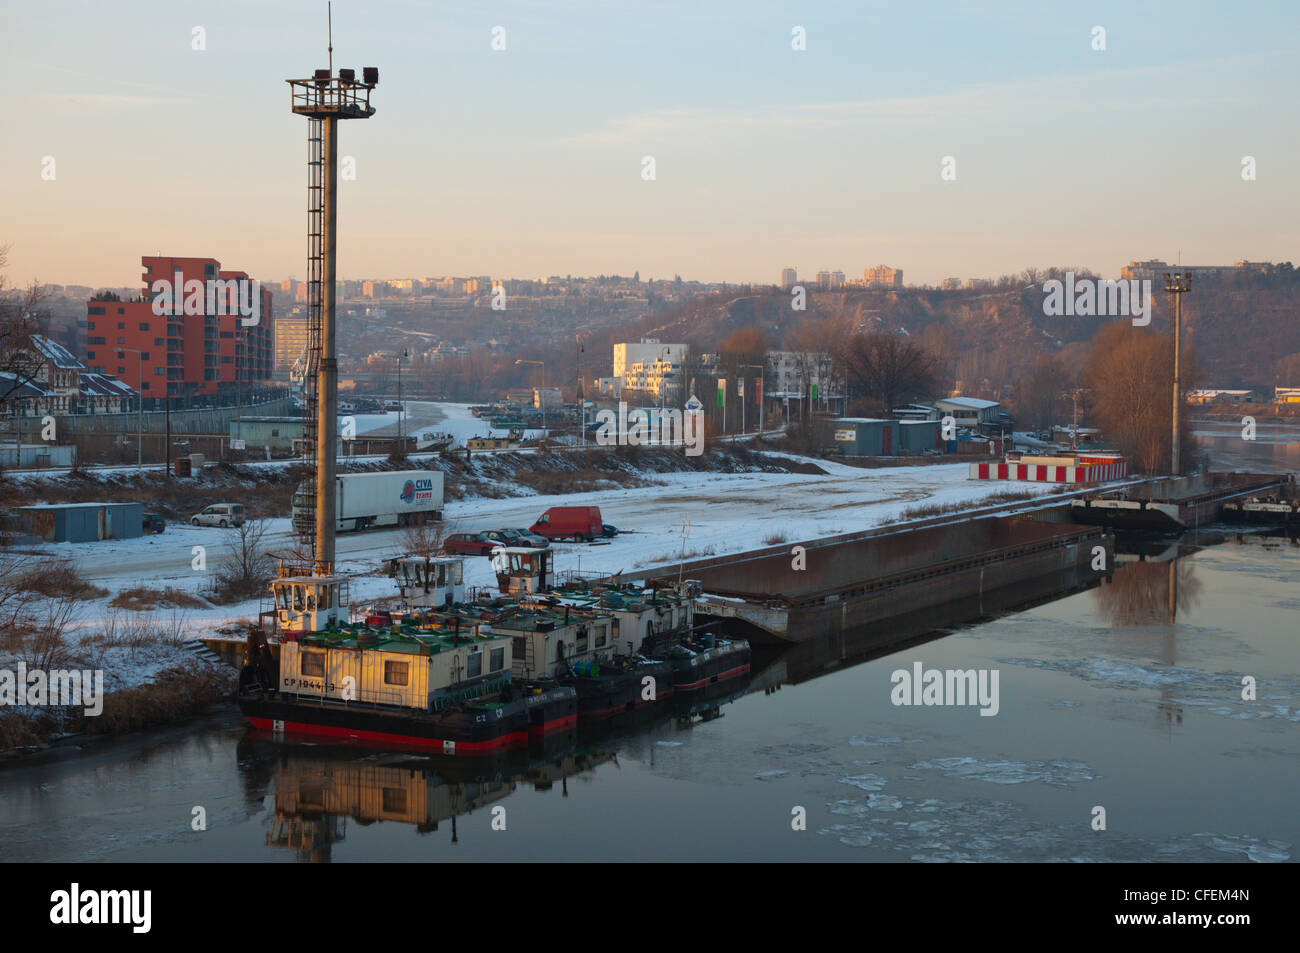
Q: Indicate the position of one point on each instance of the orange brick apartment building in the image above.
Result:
(191, 358)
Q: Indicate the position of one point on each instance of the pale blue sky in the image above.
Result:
(527, 162)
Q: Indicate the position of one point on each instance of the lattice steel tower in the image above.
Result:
(324, 100)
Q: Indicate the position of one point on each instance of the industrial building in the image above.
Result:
(82, 522)
(281, 434)
(858, 436)
(918, 436)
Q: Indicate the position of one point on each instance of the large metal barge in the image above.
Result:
(843, 584)
(1174, 504)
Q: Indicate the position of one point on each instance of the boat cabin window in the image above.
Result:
(396, 673)
(497, 660)
(475, 667)
(313, 663)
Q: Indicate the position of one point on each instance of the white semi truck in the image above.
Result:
(363, 500)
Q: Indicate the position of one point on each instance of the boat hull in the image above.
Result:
(471, 731)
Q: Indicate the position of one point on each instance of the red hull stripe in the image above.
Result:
(731, 673)
(513, 739)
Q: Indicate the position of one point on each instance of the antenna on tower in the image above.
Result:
(329, 25)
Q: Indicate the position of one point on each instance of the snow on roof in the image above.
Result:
(974, 403)
(101, 385)
(25, 389)
(860, 420)
(57, 353)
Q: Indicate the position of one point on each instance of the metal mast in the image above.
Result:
(1179, 285)
(324, 100)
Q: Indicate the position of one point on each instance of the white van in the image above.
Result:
(220, 514)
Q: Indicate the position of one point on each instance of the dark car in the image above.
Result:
(469, 544)
(154, 523)
(518, 537)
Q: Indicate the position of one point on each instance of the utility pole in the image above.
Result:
(1179, 284)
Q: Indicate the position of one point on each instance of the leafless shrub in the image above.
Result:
(57, 579)
(247, 568)
(425, 539)
(145, 597)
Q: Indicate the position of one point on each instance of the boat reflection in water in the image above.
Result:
(318, 788)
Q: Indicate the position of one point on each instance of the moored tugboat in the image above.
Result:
(421, 682)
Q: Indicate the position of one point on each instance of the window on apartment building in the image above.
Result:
(144, 325)
(90, 355)
(121, 325)
(158, 371)
(121, 370)
(121, 340)
(160, 342)
(95, 341)
(95, 309)
(121, 310)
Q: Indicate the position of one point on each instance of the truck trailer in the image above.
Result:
(363, 500)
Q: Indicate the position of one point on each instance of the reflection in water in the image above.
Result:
(318, 788)
(1145, 593)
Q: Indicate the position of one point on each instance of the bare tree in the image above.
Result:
(19, 320)
(247, 568)
(886, 366)
(425, 539)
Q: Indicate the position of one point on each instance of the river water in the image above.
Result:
(1126, 699)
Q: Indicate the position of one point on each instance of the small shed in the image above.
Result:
(82, 522)
(917, 436)
(858, 436)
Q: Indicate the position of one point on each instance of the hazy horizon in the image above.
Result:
(527, 162)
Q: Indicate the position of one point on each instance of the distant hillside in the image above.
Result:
(1239, 326)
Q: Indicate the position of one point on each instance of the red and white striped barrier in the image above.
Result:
(1040, 473)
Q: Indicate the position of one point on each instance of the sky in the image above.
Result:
(529, 161)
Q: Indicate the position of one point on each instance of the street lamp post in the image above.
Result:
(759, 395)
(542, 364)
(139, 406)
(662, 387)
(400, 406)
(1177, 285)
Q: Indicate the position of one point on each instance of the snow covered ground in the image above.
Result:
(718, 513)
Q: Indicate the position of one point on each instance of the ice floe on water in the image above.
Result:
(866, 782)
(931, 830)
(769, 775)
(1218, 693)
(869, 741)
(1009, 772)
(1260, 851)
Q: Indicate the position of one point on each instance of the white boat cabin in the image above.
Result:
(429, 582)
(546, 644)
(521, 569)
(309, 603)
(423, 672)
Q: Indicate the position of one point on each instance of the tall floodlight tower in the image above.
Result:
(324, 100)
(1177, 285)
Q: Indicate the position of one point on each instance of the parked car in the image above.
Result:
(518, 537)
(154, 523)
(579, 523)
(220, 514)
(469, 544)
